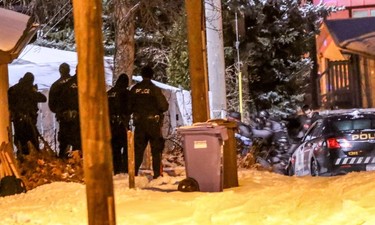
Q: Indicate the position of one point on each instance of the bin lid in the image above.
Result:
(205, 128)
(224, 122)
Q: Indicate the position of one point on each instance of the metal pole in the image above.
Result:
(215, 56)
(238, 67)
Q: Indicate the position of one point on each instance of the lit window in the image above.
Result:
(360, 13)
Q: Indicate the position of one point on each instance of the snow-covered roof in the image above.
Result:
(354, 34)
(16, 30)
(9, 35)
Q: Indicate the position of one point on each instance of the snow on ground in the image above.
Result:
(261, 198)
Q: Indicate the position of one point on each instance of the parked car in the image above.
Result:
(340, 142)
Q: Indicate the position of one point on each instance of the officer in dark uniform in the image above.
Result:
(55, 103)
(242, 128)
(148, 105)
(68, 117)
(118, 102)
(23, 100)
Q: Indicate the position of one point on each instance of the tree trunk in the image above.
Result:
(124, 38)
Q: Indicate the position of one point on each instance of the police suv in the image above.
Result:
(341, 141)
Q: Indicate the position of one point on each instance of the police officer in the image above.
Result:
(54, 102)
(310, 114)
(68, 116)
(148, 105)
(242, 128)
(118, 102)
(23, 100)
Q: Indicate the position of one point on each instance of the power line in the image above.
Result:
(57, 14)
(58, 22)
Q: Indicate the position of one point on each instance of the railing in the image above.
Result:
(341, 98)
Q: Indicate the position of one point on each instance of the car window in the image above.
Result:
(314, 131)
(354, 124)
(318, 130)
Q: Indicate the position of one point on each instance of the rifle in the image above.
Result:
(37, 134)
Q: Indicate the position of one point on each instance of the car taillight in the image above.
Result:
(338, 143)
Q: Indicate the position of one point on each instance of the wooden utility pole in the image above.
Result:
(4, 112)
(197, 59)
(93, 109)
(131, 159)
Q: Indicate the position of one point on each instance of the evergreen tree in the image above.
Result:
(275, 47)
(178, 68)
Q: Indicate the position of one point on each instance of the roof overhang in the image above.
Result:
(364, 44)
(352, 35)
(16, 31)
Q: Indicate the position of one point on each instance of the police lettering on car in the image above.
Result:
(364, 136)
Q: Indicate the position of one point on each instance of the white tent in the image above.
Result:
(44, 64)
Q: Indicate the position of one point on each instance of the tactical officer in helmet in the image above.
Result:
(148, 105)
(23, 100)
(64, 102)
(243, 129)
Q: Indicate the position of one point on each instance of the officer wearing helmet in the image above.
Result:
(264, 114)
(63, 100)
(263, 122)
(242, 128)
(23, 100)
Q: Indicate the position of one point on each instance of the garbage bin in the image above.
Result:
(202, 144)
(230, 175)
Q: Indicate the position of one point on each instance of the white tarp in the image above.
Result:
(44, 64)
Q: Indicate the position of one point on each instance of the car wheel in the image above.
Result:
(314, 168)
(188, 185)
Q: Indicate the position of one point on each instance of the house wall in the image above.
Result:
(327, 51)
(367, 81)
(355, 8)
